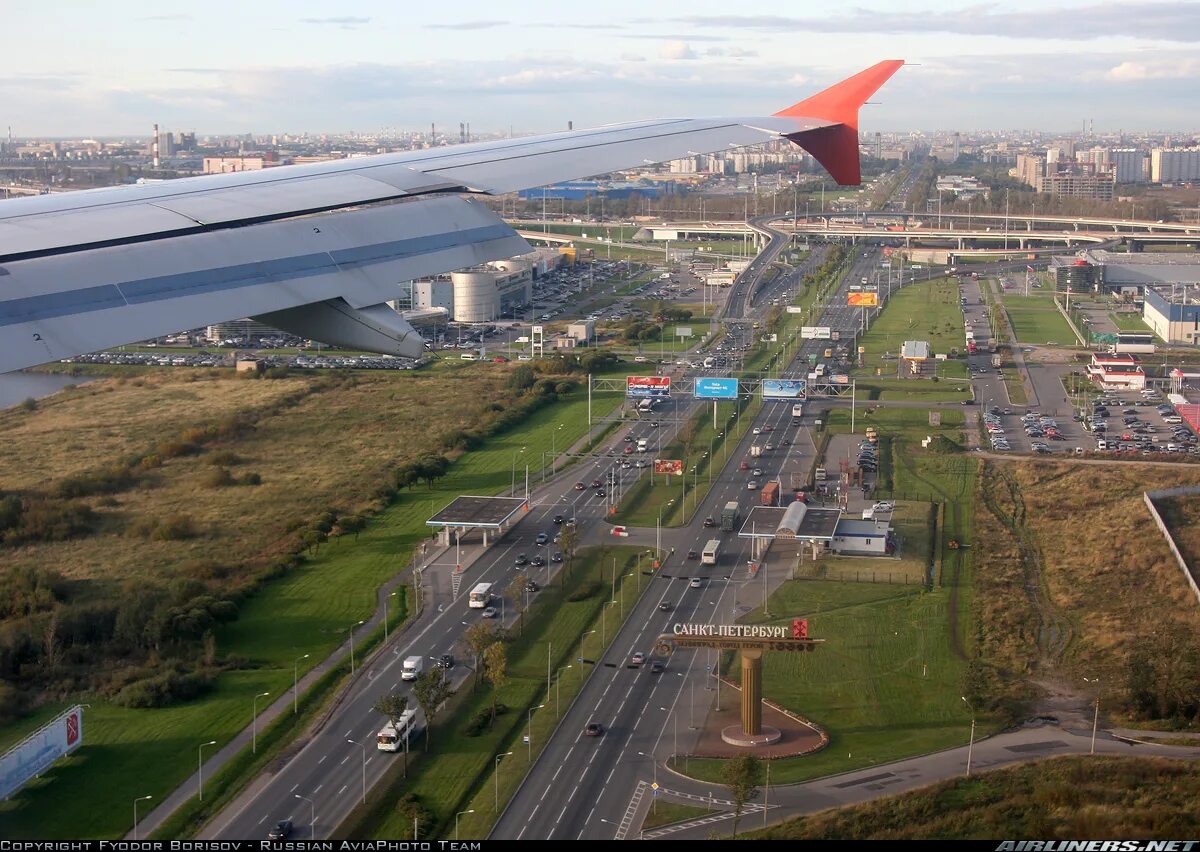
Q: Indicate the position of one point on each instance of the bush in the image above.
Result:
(163, 689)
(482, 720)
(218, 477)
(251, 479)
(47, 520)
(174, 528)
(29, 404)
(106, 481)
(224, 458)
(584, 591)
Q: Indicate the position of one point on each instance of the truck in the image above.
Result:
(755, 451)
(829, 353)
(711, 551)
(872, 435)
(769, 495)
(412, 667)
(797, 409)
(835, 335)
(729, 516)
(971, 347)
(996, 360)
(819, 474)
(812, 359)
(642, 445)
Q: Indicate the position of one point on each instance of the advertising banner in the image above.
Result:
(795, 309)
(647, 387)
(862, 300)
(815, 332)
(683, 331)
(784, 389)
(839, 380)
(34, 754)
(716, 388)
(669, 466)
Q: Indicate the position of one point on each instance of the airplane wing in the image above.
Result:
(318, 249)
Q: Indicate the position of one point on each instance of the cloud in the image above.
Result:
(166, 18)
(628, 56)
(676, 36)
(1154, 69)
(731, 52)
(343, 21)
(676, 50)
(468, 25)
(1163, 21)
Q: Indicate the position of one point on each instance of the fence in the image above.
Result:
(1149, 497)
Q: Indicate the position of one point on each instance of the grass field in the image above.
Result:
(1099, 580)
(1182, 517)
(1035, 319)
(927, 310)
(456, 774)
(1128, 322)
(307, 611)
(913, 524)
(1081, 798)
(885, 684)
(664, 812)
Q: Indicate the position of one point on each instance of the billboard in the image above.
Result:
(34, 754)
(815, 332)
(862, 300)
(795, 309)
(839, 379)
(669, 466)
(647, 387)
(784, 389)
(683, 331)
(714, 388)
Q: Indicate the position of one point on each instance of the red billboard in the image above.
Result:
(669, 466)
(864, 300)
(648, 387)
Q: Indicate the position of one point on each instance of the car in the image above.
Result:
(758, 471)
(884, 506)
(665, 606)
(768, 446)
(691, 554)
(542, 538)
(579, 486)
(744, 466)
(628, 439)
(709, 521)
(281, 831)
(558, 519)
(657, 667)
(637, 659)
(628, 449)
(522, 559)
(600, 493)
(531, 586)
(556, 557)
(768, 428)
(596, 483)
(654, 425)
(445, 661)
(696, 582)
(755, 431)
(537, 561)
(593, 729)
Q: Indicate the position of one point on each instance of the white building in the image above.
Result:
(1174, 165)
(1130, 164)
(871, 538)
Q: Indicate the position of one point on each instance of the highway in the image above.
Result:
(581, 787)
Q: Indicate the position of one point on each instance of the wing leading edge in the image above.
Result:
(318, 248)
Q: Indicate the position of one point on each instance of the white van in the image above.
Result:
(469, 356)
(412, 667)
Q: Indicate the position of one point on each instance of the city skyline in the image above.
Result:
(373, 66)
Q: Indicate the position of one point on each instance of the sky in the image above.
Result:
(115, 68)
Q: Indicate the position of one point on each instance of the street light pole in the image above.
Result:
(1096, 715)
(529, 729)
(200, 764)
(352, 645)
(312, 826)
(135, 816)
(385, 615)
(496, 775)
(254, 722)
(456, 816)
(362, 746)
(971, 743)
(296, 684)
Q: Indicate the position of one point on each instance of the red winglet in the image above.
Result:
(836, 146)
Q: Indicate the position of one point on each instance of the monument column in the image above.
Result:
(751, 691)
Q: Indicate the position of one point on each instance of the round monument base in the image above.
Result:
(735, 736)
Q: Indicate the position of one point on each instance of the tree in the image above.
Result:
(496, 668)
(687, 436)
(742, 776)
(521, 378)
(516, 594)
(431, 690)
(479, 636)
(568, 542)
(391, 706)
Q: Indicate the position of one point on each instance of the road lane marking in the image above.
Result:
(343, 790)
(319, 762)
(294, 789)
(264, 819)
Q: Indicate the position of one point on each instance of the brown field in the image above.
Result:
(1182, 517)
(380, 420)
(1076, 798)
(1112, 590)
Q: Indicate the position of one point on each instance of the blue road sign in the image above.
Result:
(716, 388)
